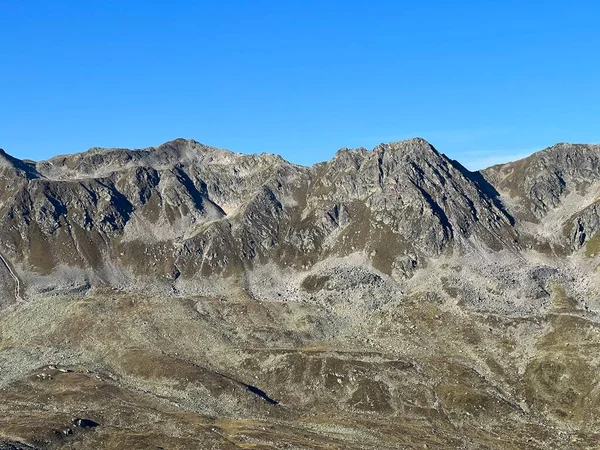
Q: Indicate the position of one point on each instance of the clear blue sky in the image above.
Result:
(483, 81)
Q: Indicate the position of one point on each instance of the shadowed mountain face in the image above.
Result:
(189, 297)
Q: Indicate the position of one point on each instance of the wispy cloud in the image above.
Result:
(480, 159)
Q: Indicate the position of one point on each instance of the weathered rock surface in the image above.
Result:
(545, 178)
(186, 210)
(189, 297)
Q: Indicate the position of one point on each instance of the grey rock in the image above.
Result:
(184, 211)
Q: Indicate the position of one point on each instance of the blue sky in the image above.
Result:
(483, 81)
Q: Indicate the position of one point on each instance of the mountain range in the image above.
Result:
(184, 296)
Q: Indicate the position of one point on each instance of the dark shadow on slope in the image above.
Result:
(197, 196)
(253, 389)
(26, 167)
(484, 187)
(119, 201)
(262, 394)
(85, 423)
(438, 211)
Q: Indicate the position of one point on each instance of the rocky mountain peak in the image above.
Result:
(554, 194)
(548, 173)
(542, 181)
(409, 148)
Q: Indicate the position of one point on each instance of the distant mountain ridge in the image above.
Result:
(186, 210)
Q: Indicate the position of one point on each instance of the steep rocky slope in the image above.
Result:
(112, 217)
(189, 297)
(556, 189)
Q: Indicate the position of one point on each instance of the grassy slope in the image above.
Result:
(173, 372)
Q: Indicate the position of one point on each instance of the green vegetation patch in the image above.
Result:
(592, 246)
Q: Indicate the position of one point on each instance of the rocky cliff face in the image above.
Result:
(555, 189)
(187, 210)
(544, 179)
